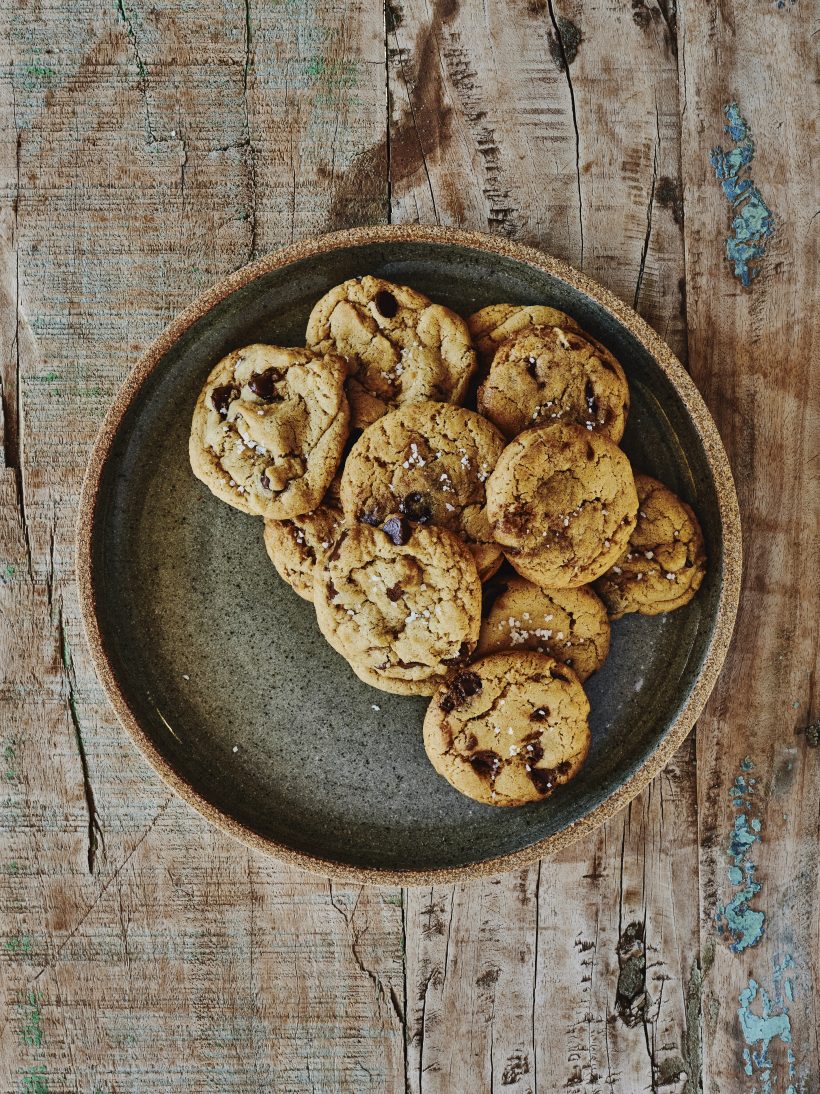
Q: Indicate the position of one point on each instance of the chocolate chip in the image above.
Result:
(332, 591)
(221, 397)
(262, 384)
(592, 402)
(545, 779)
(466, 684)
(472, 742)
(486, 762)
(447, 702)
(396, 593)
(531, 364)
(373, 519)
(386, 303)
(397, 530)
(416, 506)
(460, 657)
(540, 714)
(264, 481)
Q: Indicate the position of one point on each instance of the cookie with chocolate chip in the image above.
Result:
(665, 560)
(401, 602)
(298, 545)
(570, 625)
(562, 503)
(401, 347)
(548, 375)
(508, 729)
(494, 324)
(269, 428)
(430, 462)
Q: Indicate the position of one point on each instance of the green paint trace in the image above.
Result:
(743, 924)
(30, 1030)
(17, 944)
(35, 1080)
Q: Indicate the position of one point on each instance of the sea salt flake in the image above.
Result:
(373, 705)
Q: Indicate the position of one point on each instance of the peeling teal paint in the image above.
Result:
(763, 1019)
(737, 919)
(753, 222)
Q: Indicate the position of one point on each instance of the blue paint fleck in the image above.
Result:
(767, 1022)
(753, 222)
(736, 918)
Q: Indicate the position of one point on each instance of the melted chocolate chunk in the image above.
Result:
(337, 548)
(396, 593)
(461, 687)
(264, 481)
(460, 657)
(416, 506)
(517, 518)
(372, 519)
(545, 779)
(472, 742)
(533, 750)
(531, 365)
(540, 714)
(386, 303)
(397, 530)
(332, 591)
(590, 451)
(486, 762)
(262, 384)
(592, 402)
(222, 397)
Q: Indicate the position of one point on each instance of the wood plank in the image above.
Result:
(754, 354)
(150, 150)
(579, 971)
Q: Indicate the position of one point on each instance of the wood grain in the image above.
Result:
(147, 150)
(754, 355)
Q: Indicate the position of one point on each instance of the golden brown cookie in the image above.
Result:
(430, 461)
(401, 347)
(497, 322)
(570, 625)
(665, 561)
(562, 502)
(269, 427)
(297, 546)
(508, 729)
(546, 375)
(402, 603)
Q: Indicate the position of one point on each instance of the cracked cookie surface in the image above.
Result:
(401, 347)
(665, 561)
(494, 324)
(429, 461)
(401, 603)
(546, 374)
(562, 502)
(509, 728)
(570, 625)
(269, 427)
(298, 545)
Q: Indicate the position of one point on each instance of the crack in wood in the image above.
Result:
(535, 973)
(249, 145)
(96, 838)
(649, 208)
(566, 64)
(142, 71)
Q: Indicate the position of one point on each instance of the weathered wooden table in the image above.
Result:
(150, 148)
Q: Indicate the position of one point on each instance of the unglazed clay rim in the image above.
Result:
(715, 455)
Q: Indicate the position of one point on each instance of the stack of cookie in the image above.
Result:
(393, 507)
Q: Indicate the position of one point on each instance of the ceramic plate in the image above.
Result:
(217, 669)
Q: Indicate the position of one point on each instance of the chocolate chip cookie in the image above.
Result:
(297, 546)
(496, 323)
(269, 427)
(546, 375)
(402, 603)
(570, 625)
(562, 502)
(430, 462)
(509, 729)
(665, 561)
(401, 347)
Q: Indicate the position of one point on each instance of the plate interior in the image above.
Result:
(223, 664)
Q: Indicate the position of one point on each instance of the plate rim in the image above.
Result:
(717, 459)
